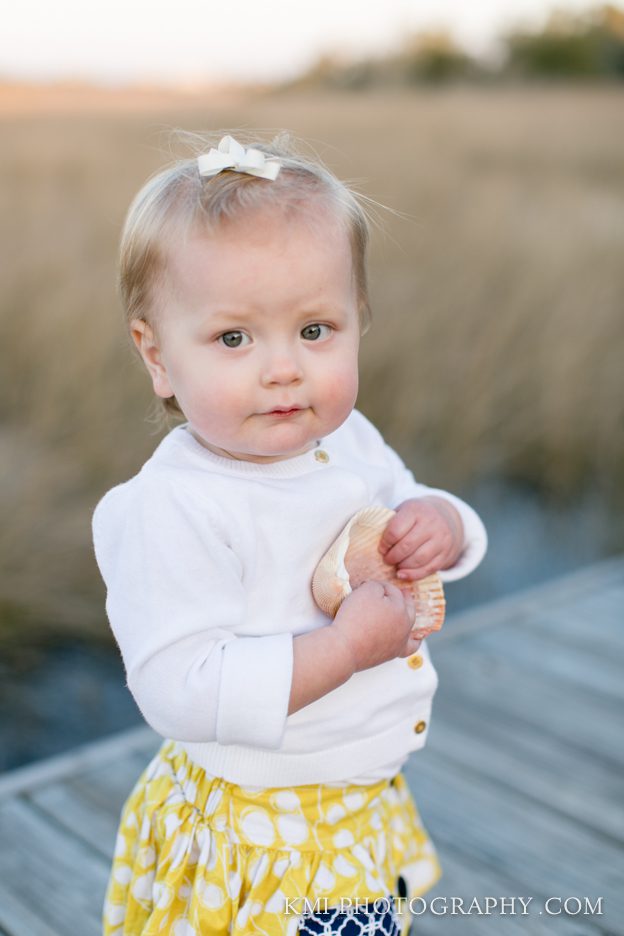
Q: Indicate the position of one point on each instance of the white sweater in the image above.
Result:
(208, 563)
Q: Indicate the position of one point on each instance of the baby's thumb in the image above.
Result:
(410, 608)
(388, 539)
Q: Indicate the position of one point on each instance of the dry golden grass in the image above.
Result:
(498, 340)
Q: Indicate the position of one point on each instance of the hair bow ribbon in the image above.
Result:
(231, 155)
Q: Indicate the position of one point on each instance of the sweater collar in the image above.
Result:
(313, 460)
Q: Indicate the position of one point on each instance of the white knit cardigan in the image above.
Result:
(208, 563)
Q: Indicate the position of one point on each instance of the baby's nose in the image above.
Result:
(281, 367)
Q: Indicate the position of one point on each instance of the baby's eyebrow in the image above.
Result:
(221, 320)
(217, 318)
(239, 313)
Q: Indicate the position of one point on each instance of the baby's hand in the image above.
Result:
(374, 623)
(426, 535)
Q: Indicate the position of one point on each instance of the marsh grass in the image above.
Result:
(498, 295)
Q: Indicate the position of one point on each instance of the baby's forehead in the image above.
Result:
(311, 214)
(193, 275)
(268, 228)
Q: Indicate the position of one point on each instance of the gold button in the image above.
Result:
(420, 727)
(415, 661)
(321, 456)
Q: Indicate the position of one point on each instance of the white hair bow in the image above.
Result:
(231, 155)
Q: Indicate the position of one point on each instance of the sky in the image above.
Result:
(191, 41)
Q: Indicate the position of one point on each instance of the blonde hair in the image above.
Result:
(177, 201)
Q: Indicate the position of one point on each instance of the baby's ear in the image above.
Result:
(147, 345)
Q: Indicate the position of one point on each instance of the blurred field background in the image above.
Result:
(497, 350)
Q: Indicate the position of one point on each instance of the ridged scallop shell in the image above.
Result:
(354, 558)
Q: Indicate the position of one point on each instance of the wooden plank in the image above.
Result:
(527, 844)
(81, 758)
(18, 919)
(549, 655)
(109, 786)
(467, 880)
(524, 760)
(89, 805)
(597, 627)
(564, 591)
(59, 878)
(591, 622)
(77, 817)
(581, 718)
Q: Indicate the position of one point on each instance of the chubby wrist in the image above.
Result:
(322, 661)
(342, 651)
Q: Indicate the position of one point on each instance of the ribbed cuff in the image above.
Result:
(475, 539)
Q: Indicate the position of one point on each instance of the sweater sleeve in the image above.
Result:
(475, 536)
(176, 603)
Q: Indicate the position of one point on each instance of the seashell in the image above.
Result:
(354, 558)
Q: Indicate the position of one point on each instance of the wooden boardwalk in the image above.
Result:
(520, 785)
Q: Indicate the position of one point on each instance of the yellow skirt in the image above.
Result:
(198, 855)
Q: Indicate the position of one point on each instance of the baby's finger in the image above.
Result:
(423, 555)
(394, 593)
(415, 573)
(411, 545)
(374, 588)
(396, 529)
(378, 590)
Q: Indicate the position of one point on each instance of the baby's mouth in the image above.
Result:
(284, 411)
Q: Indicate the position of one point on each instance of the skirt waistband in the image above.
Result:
(316, 817)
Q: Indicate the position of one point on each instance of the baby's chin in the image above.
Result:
(283, 439)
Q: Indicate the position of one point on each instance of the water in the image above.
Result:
(62, 693)
(59, 694)
(532, 539)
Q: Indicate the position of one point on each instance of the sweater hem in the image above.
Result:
(255, 767)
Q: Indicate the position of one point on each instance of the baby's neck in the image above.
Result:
(245, 456)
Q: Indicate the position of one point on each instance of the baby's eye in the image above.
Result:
(314, 332)
(234, 339)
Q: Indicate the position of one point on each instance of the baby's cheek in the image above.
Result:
(341, 387)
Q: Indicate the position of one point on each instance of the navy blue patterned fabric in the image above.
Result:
(377, 919)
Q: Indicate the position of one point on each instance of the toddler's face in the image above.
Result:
(258, 338)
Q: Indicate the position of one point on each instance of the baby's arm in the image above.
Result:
(176, 601)
(372, 626)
